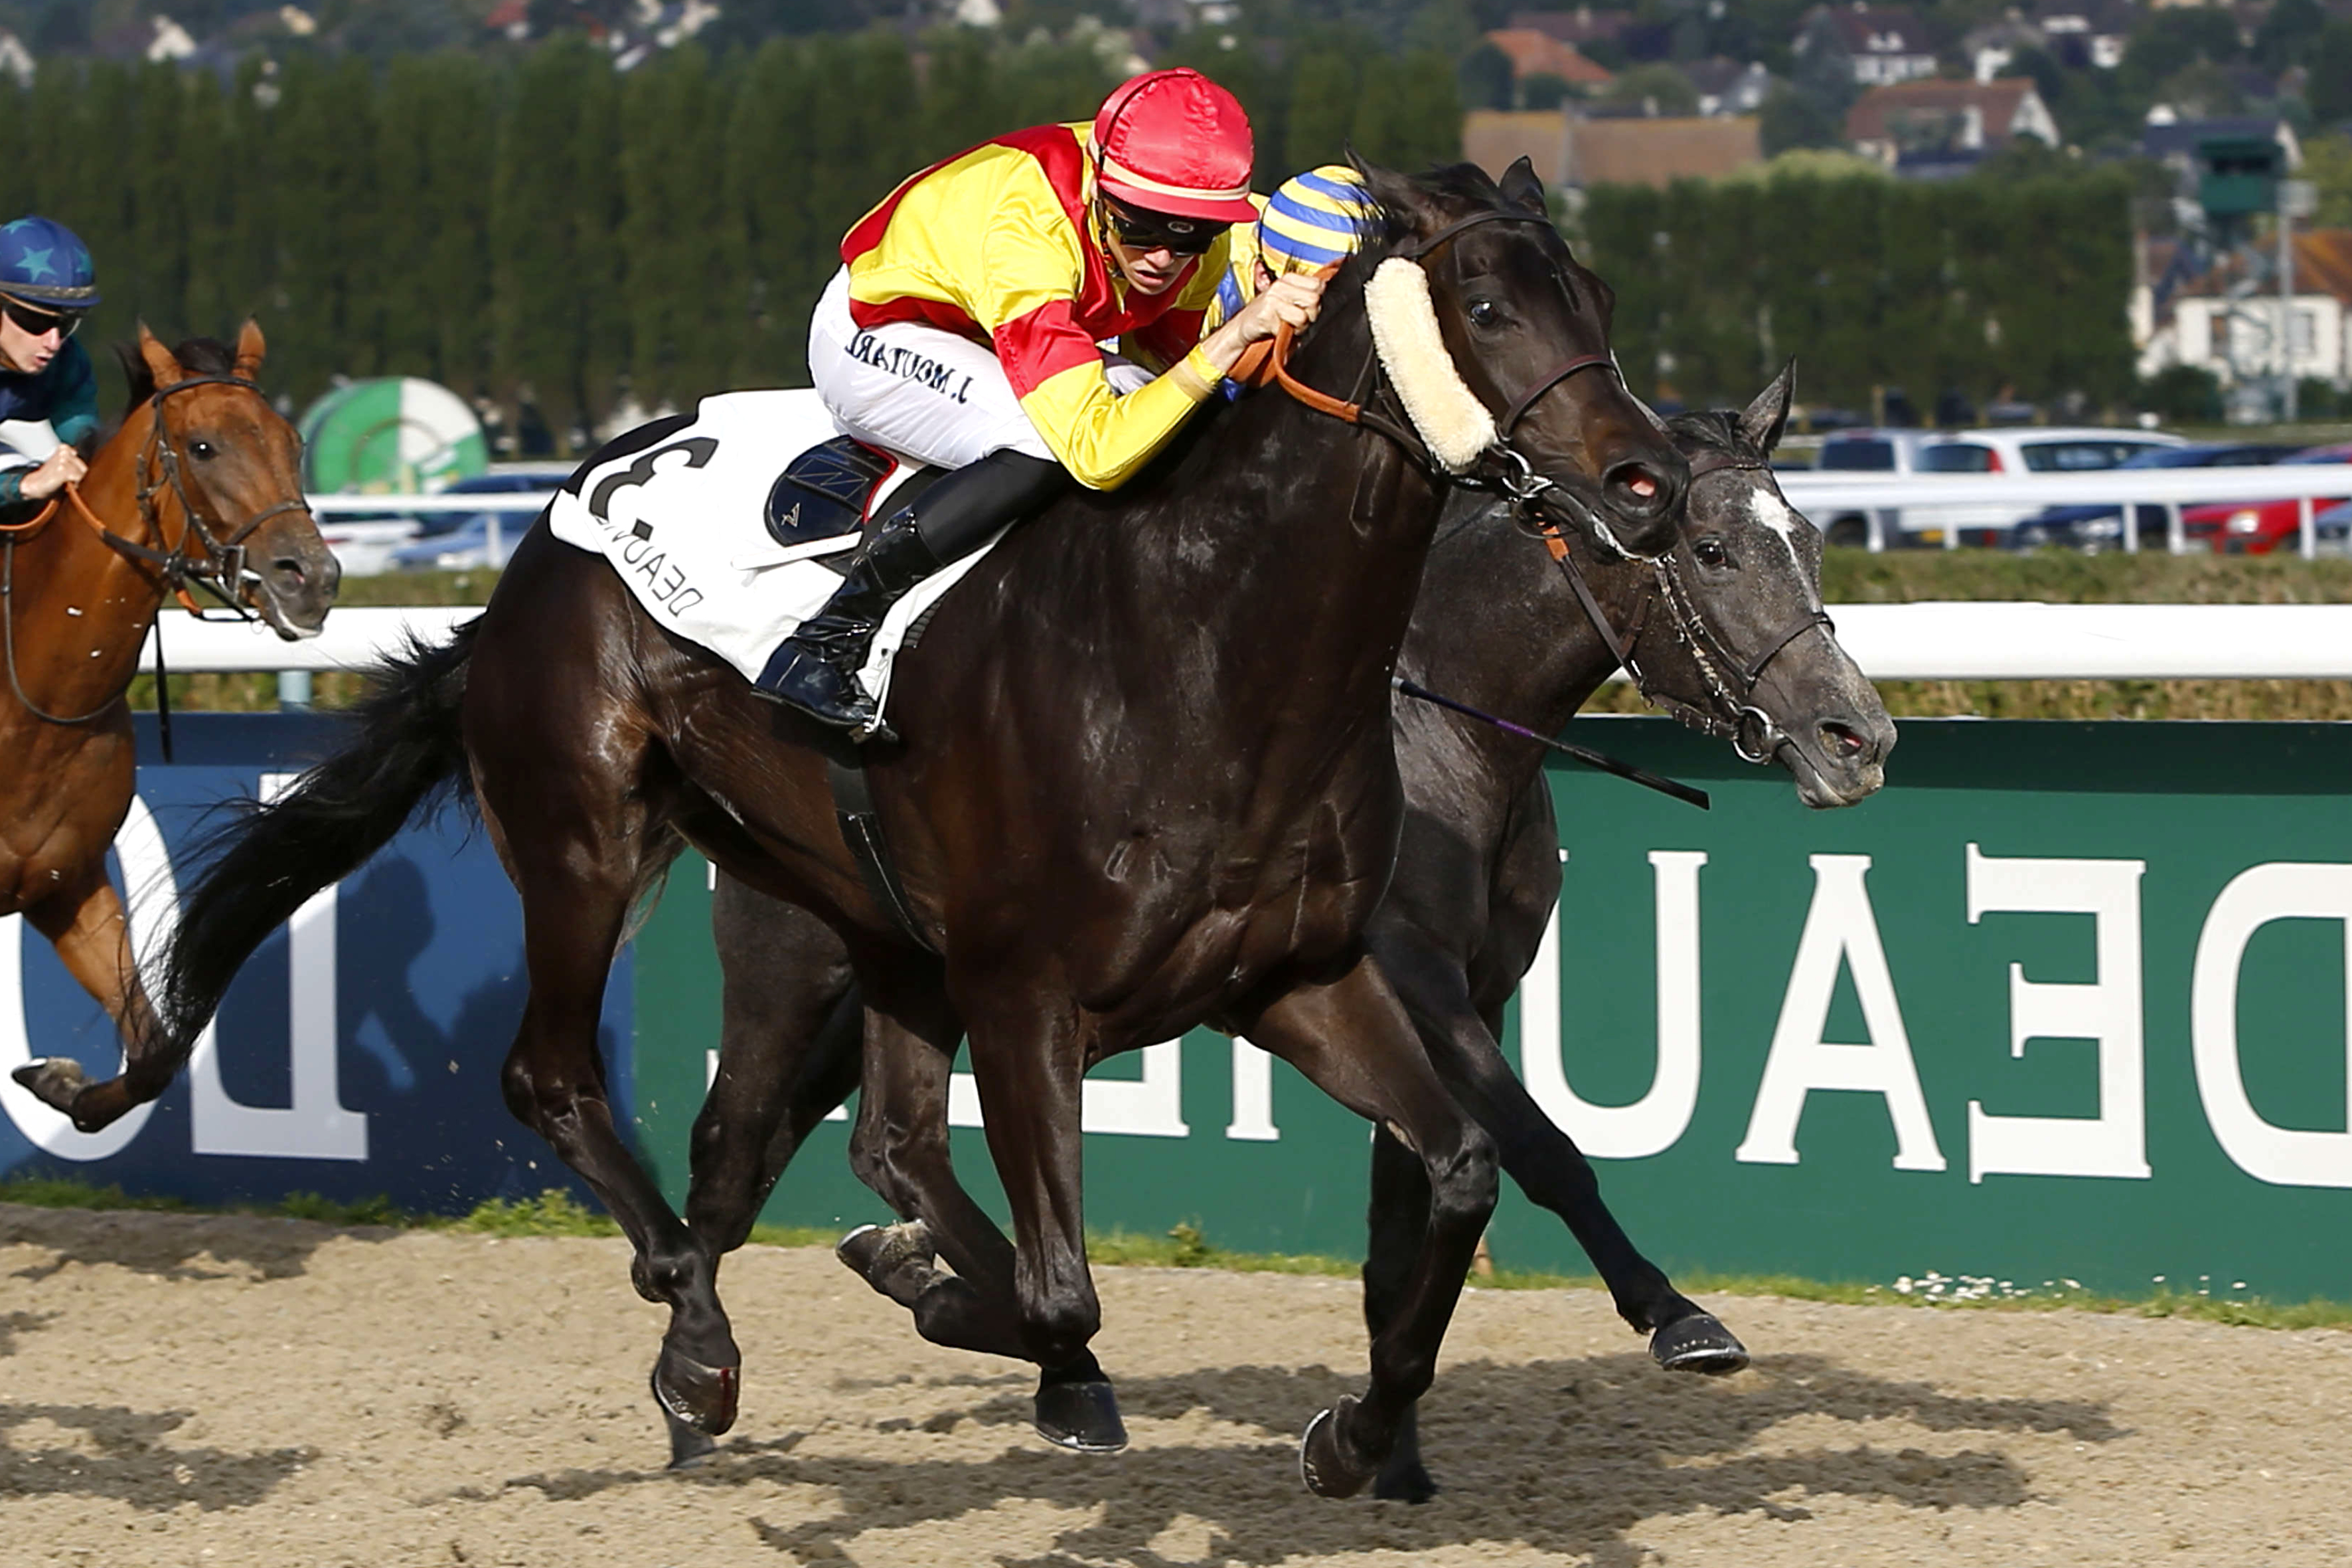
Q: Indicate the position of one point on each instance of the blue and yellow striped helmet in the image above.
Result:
(1313, 220)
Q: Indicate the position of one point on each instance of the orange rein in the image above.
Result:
(71, 493)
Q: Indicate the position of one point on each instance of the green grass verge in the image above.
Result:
(558, 1214)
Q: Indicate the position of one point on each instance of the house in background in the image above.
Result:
(1569, 153)
(1935, 129)
(2226, 320)
(2087, 34)
(1727, 87)
(1880, 44)
(1537, 53)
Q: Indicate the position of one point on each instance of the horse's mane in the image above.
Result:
(1717, 428)
(197, 357)
(1466, 183)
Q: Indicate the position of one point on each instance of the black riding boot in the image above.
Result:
(815, 669)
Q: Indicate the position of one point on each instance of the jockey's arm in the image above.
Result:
(1056, 368)
(72, 386)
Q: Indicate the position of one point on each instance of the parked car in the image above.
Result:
(2027, 449)
(2094, 527)
(390, 539)
(2259, 528)
(463, 540)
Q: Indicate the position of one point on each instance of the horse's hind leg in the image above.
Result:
(901, 1150)
(571, 822)
(1545, 1162)
(83, 918)
(1352, 1039)
(789, 1051)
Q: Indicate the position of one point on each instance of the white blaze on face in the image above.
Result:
(1766, 507)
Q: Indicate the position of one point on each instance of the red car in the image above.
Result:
(2258, 528)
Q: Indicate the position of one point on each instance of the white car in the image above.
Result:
(2007, 449)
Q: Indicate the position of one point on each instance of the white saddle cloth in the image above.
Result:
(683, 523)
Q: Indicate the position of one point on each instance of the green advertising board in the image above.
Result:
(2064, 1001)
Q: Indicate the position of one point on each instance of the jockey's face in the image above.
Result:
(1152, 249)
(23, 348)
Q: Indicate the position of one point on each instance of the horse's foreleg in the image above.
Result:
(83, 918)
(1543, 1160)
(1029, 1052)
(788, 1054)
(1352, 1040)
(573, 837)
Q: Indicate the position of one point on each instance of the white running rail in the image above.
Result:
(1959, 641)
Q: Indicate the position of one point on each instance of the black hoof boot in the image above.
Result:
(1403, 1477)
(1080, 1414)
(1698, 1344)
(1328, 1463)
(697, 1402)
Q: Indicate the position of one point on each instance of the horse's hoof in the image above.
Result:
(1080, 1416)
(1325, 1461)
(699, 1396)
(1404, 1478)
(896, 1259)
(689, 1445)
(1698, 1344)
(54, 1082)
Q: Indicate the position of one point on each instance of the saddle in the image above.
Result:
(829, 490)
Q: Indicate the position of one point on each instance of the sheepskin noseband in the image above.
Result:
(1450, 421)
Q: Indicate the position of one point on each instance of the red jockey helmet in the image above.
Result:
(1174, 141)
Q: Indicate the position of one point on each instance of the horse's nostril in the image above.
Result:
(1634, 484)
(287, 566)
(1843, 741)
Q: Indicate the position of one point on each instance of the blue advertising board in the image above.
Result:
(358, 1054)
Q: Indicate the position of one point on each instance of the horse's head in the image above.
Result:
(220, 479)
(1517, 380)
(1742, 647)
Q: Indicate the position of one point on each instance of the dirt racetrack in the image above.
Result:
(197, 1391)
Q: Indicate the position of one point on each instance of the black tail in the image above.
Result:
(266, 864)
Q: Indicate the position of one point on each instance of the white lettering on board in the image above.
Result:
(2107, 1011)
(1652, 1124)
(1841, 930)
(314, 1125)
(1152, 1106)
(2287, 1156)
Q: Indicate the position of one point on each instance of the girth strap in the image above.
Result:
(861, 829)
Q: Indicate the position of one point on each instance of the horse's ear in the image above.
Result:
(1768, 416)
(160, 363)
(1520, 187)
(1401, 198)
(250, 348)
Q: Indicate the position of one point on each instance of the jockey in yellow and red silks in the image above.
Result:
(964, 329)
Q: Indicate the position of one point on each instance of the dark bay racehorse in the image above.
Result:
(1477, 876)
(1147, 783)
(203, 480)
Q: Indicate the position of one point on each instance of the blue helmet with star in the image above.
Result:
(43, 262)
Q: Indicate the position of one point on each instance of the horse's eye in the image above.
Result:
(1484, 314)
(1711, 553)
(203, 451)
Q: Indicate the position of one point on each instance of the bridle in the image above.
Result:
(219, 568)
(1731, 681)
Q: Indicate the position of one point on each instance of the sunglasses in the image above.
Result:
(1161, 231)
(35, 321)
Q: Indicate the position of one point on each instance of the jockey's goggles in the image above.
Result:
(1139, 230)
(38, 321)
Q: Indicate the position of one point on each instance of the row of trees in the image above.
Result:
(1983, 287)
(549, 230)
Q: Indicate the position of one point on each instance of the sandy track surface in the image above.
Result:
(200, 1391)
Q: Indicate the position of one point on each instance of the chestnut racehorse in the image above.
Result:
(201, 483)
